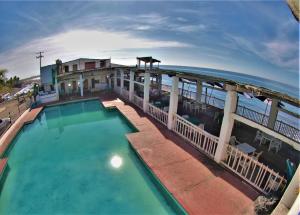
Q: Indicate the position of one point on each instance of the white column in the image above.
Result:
(109, 82)
(131, 86)
(146, 91)
(273, 113)
(173, 101)
(199, 91)
(139, 63)
(115, 80)
(122, 81)
(81, 85)
(227, 124)
(56, 88)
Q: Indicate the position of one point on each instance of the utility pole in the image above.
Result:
(40, 56)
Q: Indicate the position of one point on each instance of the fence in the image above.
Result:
(199, 138)
(287, 130)
(158, 114)
(251, 170)
(138, 101)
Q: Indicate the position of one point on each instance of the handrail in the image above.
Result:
(251, 170)
(138, 101)
(198, 137)
(158, 114)
(262, 119)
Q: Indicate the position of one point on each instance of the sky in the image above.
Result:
(259, 38)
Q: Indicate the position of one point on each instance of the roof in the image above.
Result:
(243, 83)
(148, 59)
(91, 59)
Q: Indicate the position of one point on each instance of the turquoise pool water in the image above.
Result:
(75, 159)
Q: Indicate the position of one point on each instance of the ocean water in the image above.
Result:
(251, 103)
(75, 159)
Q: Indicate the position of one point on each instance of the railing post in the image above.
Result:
(227, 124)
(173, 101)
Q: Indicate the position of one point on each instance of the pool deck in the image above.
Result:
(198, 183)
(27, 117)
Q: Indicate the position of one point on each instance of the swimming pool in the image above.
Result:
(75, 158)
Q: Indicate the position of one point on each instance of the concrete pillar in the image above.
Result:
(56, 88)
(146, 91)
(173, 101)
(291, 197)
(115, 80)
(273, 113)
(139, 63)
(131, 86)
(122, 81)
(227, 124)
(81, 84)
(145, 66)
(199, 91)
(109, 82)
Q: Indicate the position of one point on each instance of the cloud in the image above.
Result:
(77, 43)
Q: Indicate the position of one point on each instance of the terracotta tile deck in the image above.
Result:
(198, 183)
(26, 117)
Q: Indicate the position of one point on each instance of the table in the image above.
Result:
(246, 148)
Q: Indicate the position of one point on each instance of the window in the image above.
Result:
(75, 67)
(102, 63)
(90, 65)
(66, 68)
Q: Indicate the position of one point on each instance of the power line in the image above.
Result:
(40, 56)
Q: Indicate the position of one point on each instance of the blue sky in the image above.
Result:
(253, 37)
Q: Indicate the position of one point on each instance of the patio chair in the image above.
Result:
(275, 144)
(233, 141)
(258, 137)
(256, 155)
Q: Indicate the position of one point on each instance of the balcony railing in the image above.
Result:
(158, 114)
(138, 101)
(262, 119)
(251, 170)
(198, 137)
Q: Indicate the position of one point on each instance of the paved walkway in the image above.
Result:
(198, 183)
(26, 117)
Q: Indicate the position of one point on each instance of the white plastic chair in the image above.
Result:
(275, 144)
(258, 137)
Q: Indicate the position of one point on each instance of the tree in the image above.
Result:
(3, 75)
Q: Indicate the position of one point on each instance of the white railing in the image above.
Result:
(158, 114)
(251, 170)
(199, 138)
(125, 94)
(287, 130)
(138, 101)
